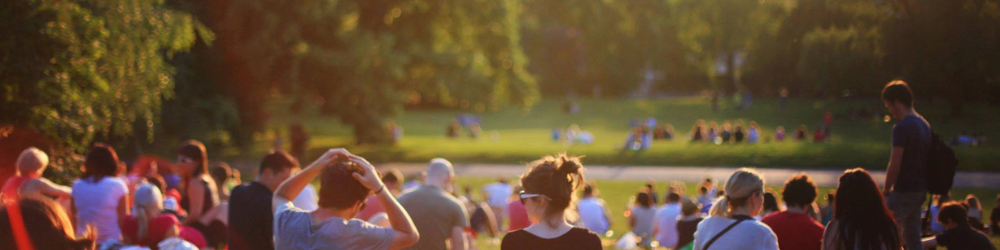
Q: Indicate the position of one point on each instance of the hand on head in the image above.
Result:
(368, 177)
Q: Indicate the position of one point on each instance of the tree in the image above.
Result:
(363, 60)
(76, 70)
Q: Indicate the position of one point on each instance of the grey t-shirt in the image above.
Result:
(294, 229)
(435, 213)
(913, 133)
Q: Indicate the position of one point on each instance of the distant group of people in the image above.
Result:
(976, 139)
(642, 134)
(572, 135)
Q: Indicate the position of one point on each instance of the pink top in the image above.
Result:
(372, 207)
(518, 216)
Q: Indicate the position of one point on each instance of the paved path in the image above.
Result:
(822, 177)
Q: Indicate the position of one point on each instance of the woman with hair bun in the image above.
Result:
(730, 224)
(549, 188)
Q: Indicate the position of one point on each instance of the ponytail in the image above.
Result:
(143, 224)
(743, 184)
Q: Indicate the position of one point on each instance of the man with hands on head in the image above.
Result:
(346, 180)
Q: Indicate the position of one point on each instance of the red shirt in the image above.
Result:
(518, 216)
(158, 228)
(10, 191)
(372, 207)
(795, 231)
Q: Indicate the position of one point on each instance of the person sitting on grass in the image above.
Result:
(730, 224)
(594, 212)
(31, 223)
(959, 234)
(549, 187)
(345, 181)
(641, 218)
(861, 220)
(28, 180)
(687, 224)
(794, 227)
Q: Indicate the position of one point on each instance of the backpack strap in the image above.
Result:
(724, 231)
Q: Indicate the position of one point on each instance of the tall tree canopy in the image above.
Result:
(78, 69)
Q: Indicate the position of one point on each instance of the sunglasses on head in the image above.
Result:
(524, 196)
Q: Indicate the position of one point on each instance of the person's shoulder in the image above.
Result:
(583, 233)
(760, 227)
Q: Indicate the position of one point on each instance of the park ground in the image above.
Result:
(525, 134)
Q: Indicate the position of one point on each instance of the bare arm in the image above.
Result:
(892, 171)
(458, 239)
(491, 220)
(51, 189)
(291, 188)
(607, 215)
(406, 233)
(196, 200)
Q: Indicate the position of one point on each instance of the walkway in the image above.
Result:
(822, 177)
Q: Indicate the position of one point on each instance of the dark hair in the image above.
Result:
(277, 161)
(392, 176)
(102, 161)
(770, 201)
(46, 224)
(830, 195)
(588, 189)
(196, 151)
(643, 199)
(863, 219)
(556, 177)
(799, 191)
(220, 172)
(953, 211)
(338, 189)
(899, 91)
(703, 189)
(673, 197)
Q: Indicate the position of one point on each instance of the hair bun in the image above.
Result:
(569, 165)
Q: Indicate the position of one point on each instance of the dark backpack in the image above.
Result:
(941, 165)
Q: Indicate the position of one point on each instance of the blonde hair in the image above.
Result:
(32, 160)
(147, 198)
(744, 183)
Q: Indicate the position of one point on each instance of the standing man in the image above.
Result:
(496, 195)
(437, 214)
(250, 217)
(905, 184)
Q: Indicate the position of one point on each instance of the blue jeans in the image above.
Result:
(905, 208)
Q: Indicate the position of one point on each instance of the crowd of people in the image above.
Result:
(197, 205)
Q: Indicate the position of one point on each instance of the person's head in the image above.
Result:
(32, 162)
(973, 202)
(898, 98)
(276, 167)
(549, 186)
(45, 223)
(393, 180)
(101, 161)
(689, 207)
(192, 159)
(339, 190)
(799, 191)
(673, 197)
(770, 202)
(953, 214)
(220, 172)
(744, 190)
(148, 202)
(589, 190)
(440, 173)
(642, 199)
(703, 190)
(865, 220)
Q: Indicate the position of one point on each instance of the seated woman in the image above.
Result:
(730, 224)
(549, 186)
(149, 225)
(32, 223)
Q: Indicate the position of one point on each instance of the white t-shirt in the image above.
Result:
(666, 221)
(307, 200)
(592, 215)
(748, 235)
(97, 205)
(498, 193)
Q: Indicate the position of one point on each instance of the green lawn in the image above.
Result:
(618, 193)
(525, 134)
